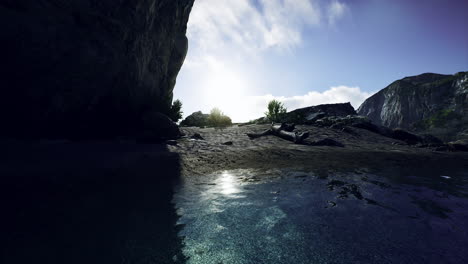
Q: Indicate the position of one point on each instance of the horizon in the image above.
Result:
(301, 52)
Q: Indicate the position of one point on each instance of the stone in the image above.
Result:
(403, 135)
(196, 119)
(459, 145)
(197, 136)
(228, 143)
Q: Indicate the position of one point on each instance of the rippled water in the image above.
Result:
(398, 215)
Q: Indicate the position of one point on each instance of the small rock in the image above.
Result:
(197, 136)
(228, 143)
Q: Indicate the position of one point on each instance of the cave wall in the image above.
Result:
(89, 68)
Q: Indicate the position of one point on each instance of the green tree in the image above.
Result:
(276, 111)
(176, 111)
(218, 119)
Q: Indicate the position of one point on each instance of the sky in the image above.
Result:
(244, 53)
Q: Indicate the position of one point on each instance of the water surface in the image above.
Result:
(396, 215)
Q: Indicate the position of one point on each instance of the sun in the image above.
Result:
(225, 88)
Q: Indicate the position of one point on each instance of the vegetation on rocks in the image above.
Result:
(216, 118)
(276, 111)
(175, 112)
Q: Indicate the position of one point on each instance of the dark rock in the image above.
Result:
(326, 142)
(197, 136)
(442, 148)
(428, 103)
(157, 127)
(197, 119)
(88, 68)
(349, 130)
(431, 140)
(334, 184)
(309, 115)
(228, 143)
(403, 135)
(459, 145)
(311, 118)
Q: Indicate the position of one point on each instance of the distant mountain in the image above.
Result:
(426, 103)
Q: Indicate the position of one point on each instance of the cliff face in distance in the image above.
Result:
(90, 68)
(427, 103)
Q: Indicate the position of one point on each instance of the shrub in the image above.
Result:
(218, 119)
(175, 112)
(276, 111)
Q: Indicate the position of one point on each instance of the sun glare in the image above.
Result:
(225, 88)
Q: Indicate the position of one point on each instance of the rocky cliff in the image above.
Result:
(90, 68)
(429, 103)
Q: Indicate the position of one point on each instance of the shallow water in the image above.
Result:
(396, 215)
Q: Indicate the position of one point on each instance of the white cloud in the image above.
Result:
(336, 11)
(242, 26)
(254, 106)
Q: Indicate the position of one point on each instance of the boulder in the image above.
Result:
(309, 115)
(459, 145)
(197, 119)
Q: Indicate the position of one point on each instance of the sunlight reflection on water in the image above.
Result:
(248, 216)
(227, 184)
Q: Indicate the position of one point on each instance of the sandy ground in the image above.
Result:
(361, 148)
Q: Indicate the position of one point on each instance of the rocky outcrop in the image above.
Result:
(312, 113)
(197, 119)
(89, 68)
(427, 103)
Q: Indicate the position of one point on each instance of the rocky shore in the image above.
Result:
(230, 148)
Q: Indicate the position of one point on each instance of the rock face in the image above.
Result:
(92, 68)
(310, 114)
(427, 103)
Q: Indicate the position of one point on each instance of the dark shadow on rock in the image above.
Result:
(88, 202)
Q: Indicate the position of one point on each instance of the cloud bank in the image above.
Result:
(254, 106)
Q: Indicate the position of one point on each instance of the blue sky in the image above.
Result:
(243, 53)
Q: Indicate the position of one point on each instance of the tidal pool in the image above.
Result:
(397, 215)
